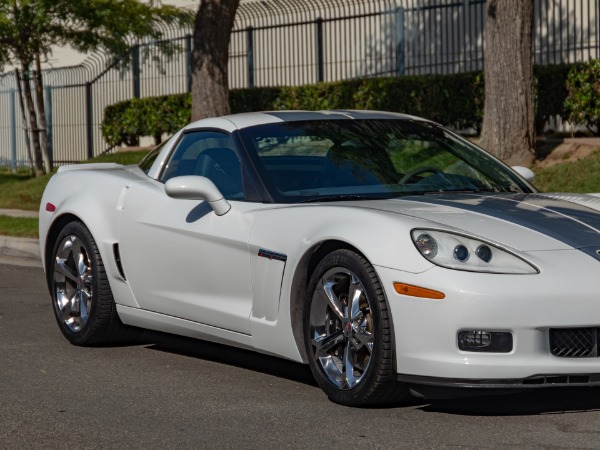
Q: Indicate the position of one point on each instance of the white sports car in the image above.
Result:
(383, 250)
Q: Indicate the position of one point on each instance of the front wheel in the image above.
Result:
(348, 332)
(83, 303)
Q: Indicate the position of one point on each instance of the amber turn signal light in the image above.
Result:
(416, 291)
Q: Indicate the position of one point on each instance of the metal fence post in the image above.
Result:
(250, 55)
(319, 49)
(89, 117)
(135, 67)
(48, 98)
(188, 61)
(400, 63)
(13, 127)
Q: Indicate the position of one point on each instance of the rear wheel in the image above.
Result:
(83, 303)
(348, 332)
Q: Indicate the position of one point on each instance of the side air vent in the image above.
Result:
(117, 256)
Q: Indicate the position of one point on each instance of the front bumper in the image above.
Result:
(565, 294)
(536, 381)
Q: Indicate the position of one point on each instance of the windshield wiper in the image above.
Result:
(453, 191)
(342, 197)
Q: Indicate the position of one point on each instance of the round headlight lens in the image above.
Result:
(461, 253)
(427, 245)
(484, 253)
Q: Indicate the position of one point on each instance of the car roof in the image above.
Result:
(234, 122)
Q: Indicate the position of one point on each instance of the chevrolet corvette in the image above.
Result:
(383, 250)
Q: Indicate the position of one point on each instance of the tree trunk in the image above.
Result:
(508, 122)
(33, 125)
(212, 31)
(41, 109)
(24, 121)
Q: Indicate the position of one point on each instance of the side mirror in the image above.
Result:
(191, 187)
(524, 172)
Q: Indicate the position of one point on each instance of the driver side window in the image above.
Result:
(209, 154)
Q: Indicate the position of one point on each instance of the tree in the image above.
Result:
(212, 33)
(29, 29)
(19, 25)
(508, 122)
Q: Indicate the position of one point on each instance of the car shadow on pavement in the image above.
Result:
(232, 356)
(500, 403)
(524, 403)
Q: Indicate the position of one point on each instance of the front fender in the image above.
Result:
(295, 232)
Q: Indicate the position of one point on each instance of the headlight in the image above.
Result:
(456, 251)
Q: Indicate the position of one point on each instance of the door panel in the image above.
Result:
(183, 260)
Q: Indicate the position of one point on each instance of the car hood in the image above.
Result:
(526, 222)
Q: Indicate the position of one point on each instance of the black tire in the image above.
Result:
(358, 338)
(82, 300)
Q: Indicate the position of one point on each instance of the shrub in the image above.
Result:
(551, 93)
(119, 126)
(125, 122)
(452, 100)
(583, 100)
(253, 99)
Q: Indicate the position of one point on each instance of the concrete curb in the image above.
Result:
(22, 249)
(19, 251)
(19, 213)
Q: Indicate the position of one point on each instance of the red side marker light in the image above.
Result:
(50, 207)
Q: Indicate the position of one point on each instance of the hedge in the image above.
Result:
(583, 100)
(452, 100)
(125, 122)
(551, 92)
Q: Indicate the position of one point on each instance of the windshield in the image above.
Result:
(355, 159)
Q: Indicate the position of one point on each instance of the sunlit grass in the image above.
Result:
(581, 176)
(18, 226)
(20, 191)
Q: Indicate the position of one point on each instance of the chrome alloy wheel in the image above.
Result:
(341, 328)
(73, 290)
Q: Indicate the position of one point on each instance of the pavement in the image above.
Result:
(19, 251)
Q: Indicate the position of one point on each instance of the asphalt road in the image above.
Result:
(169, 392)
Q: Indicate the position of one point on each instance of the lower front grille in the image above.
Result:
(562, 380)
(574, 342)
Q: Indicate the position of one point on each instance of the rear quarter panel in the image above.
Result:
(94, 197)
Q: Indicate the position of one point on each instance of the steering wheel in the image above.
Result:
(418, 171)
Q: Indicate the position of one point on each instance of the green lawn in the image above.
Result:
(18, 226)
(19, 191)
(580, 176)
